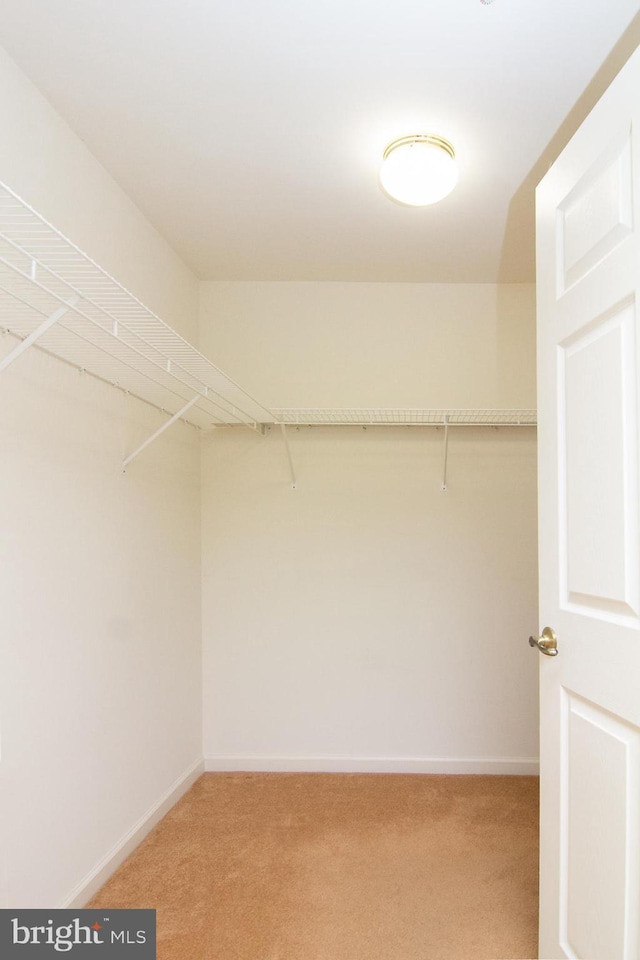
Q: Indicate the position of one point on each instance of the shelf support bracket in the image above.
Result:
(294, 482)
(446, 454)
(159, 431)
(37, 333)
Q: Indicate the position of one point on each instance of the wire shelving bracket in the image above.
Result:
(294, 482)
(379, 417)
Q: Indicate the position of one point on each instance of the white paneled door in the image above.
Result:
(588, 249)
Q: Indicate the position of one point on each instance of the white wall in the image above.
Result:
(100, 682)
(369, 621)
(374, 344)
(43, 161)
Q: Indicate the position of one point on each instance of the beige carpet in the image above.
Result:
(341, 867)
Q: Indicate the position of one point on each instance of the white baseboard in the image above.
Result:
(92, 882)
(511, 766)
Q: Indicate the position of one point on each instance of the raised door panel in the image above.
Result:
(600, 833)
(599, 541)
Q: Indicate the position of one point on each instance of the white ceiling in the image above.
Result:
(250, 133)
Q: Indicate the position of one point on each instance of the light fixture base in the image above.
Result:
(420, 138)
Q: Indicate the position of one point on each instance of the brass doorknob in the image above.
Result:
(546, 644)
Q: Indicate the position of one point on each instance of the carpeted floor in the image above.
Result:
(341, 867)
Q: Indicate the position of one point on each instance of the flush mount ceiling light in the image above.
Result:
(419, 170)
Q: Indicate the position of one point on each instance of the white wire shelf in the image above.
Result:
(55, 297)
(101, 328)
(390, 417)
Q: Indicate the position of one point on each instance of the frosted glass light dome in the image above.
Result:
(419, 170)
